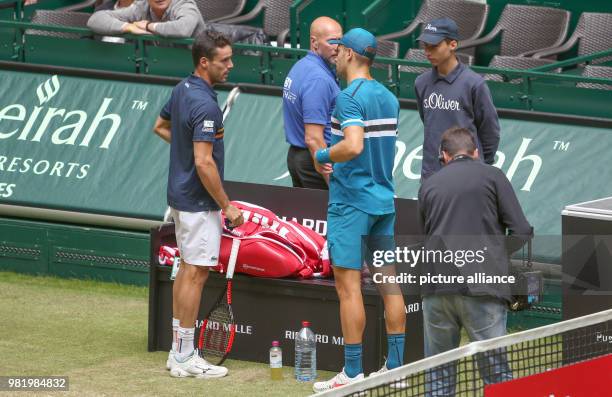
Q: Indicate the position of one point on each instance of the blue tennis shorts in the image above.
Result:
(352, 235)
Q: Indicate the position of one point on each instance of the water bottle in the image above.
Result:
(305, 354)
(276, 361)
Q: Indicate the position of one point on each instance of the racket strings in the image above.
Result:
(218, 332)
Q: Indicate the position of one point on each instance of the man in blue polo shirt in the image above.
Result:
(361, 191)
(309, 94)
(452, 95)
(192, 123)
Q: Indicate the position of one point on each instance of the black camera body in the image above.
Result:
(528, 286)
(528, 289)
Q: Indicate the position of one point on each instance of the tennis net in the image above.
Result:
(465, 370)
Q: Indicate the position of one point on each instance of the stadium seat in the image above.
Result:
(526, 30)
(593, 34)
(597, 71)
(218, 10)
(418, 55)
(276, 20)
(78, 6)
(502, 62)
(59, 18)
(470, 17)
(387, 49)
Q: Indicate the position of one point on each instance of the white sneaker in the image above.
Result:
(337, 381)
(380, 371)
(215, 371)
(197, 367)
(171, 361)
(399, 384)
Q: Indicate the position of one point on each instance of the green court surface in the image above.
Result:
(96, 334)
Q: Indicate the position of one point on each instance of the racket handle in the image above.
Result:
(232, 258)
(229, 292)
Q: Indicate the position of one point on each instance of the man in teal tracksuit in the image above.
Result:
(361, 191)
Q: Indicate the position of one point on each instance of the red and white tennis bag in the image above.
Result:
(272, 247)
(167, 254)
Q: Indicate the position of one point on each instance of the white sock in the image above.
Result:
(175, 326)
(185, 343)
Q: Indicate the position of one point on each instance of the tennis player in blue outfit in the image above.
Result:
(192, 123)
(361, 191)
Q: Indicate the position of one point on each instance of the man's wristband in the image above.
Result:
(322, 156)
(147, 27)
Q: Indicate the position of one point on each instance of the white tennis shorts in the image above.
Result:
(198, 236)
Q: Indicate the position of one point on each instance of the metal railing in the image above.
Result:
(274, 61)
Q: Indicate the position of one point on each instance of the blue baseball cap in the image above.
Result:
(359, 40)
(439, 29)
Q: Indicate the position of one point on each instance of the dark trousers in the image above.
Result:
(302, 171)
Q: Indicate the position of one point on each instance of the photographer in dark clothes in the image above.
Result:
(469, 211)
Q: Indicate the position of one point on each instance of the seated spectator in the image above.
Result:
(102, 5)
(166, 18)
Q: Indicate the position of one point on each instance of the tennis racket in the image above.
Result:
(219, 328)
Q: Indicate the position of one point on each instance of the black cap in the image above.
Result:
(439, 29)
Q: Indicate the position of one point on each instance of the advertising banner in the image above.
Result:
(549, 164)
(588, 378)
(82, 144)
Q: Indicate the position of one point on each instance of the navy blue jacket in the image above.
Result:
(460, 99)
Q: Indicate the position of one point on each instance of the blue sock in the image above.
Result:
(352, 360)
(395, 350)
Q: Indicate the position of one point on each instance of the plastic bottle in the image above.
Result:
(276, 361)
(305, 354)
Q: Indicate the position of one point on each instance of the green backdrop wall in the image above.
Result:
(87, 145)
